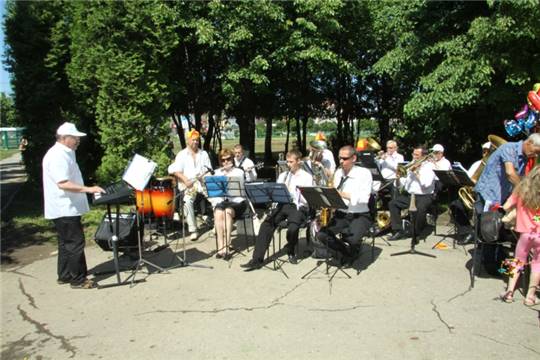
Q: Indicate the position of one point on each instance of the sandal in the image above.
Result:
(86, 284)
(507, 297)
(528, 302)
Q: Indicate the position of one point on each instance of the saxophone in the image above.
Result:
(325, 215)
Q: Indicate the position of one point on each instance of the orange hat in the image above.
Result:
(361, 144)
(193, 134)
(320, 136)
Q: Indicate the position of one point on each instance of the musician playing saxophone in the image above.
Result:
(189, 164)
(354, 185)
(420, 181)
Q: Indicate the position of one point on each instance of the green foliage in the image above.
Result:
(7, 111)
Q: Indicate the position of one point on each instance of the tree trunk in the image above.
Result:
(246, 124)
(268, 142)
(288, 134)
(177, 119)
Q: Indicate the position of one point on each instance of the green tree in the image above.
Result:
(7, 111)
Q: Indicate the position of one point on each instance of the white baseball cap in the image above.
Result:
(68, 128)
(437, 147)
(486, 145)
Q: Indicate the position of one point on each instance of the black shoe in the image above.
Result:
(467, 239)
(252, 265)
(398, 235)
(292, 259)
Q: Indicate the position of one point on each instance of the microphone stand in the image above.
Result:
(413, 213)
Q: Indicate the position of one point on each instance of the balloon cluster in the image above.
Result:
(525, 119)
(510, 267)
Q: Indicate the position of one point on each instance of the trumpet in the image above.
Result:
(413, 165)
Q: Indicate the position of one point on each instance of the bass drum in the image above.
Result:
(158, 200)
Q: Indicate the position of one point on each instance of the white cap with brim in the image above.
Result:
(437, 147)
(486, 146)
(68, 128)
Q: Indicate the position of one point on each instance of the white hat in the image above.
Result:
(437, 147)
(68, 128)
(486, 145)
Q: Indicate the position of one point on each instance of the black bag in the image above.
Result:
(492, 257)
(490, 225)
(127, 232)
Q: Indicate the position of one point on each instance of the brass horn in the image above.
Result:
(382, 219)
(318, 145)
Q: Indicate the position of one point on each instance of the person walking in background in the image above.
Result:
(65, 202)
(526, 200)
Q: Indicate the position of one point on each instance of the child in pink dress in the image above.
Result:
(526, 200)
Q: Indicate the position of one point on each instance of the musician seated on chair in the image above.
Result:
(354, 184)
(227, 209)
(243, 162)
(457, 207)
(420, 181)
(189, 166)
(295, 213)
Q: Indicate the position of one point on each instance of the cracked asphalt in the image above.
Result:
(408, 306)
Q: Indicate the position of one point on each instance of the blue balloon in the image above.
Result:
(512, 127)
(530, 121)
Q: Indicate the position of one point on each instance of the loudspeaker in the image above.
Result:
(127, 232)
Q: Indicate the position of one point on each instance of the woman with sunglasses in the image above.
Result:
(226, 209)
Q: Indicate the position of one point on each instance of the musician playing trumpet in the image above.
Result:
(420, 181)
(188, 166)
(354, 185)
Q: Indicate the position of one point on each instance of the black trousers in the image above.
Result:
(295, 218)
(423, 202)
(71, 258)
(353, 228)
(460, 216)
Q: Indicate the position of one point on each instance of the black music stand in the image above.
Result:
(270, 193)
(225, 187)
(455, 178)
(137, 175)
(319, 197)
(183, 262)
(412, 213)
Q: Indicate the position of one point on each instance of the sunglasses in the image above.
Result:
(226, 159)
(345, 158)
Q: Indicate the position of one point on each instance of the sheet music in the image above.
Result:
(139, 171)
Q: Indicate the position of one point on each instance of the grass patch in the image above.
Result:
(4, 154)
(23, 223)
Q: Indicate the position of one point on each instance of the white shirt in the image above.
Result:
(473, 168)
(328, 160)
(299, 178)
(423, 183)
(191, 168)
(249, 168)
(388, 165)
(442, 164)
(358, 184)
(238, 176)
(59, 164)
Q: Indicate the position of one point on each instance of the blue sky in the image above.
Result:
(4, 75)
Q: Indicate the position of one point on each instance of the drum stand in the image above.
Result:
(142, 260)
(183, 259)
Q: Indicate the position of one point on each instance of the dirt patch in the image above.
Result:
(23, 256)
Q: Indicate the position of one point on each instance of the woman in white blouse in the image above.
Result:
(227, 207)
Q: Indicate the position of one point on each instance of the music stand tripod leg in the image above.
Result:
(412, 250)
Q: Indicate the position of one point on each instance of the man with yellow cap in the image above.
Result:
(188, 167)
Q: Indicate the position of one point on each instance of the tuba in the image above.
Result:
(382, 219)
(465, 193)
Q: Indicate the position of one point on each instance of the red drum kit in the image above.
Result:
(157, 199)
